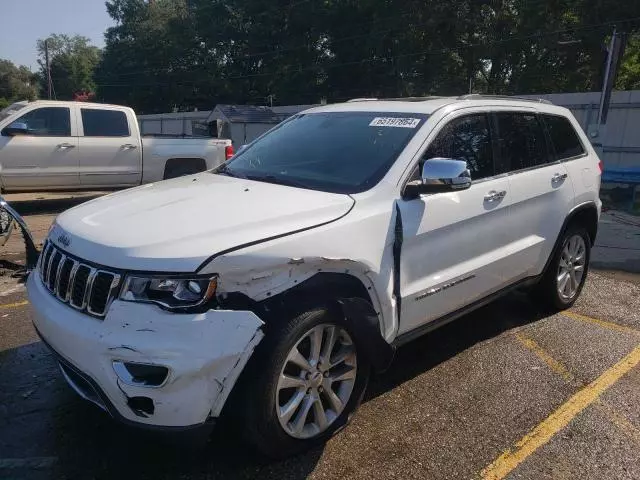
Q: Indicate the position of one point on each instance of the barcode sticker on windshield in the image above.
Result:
(395, 122)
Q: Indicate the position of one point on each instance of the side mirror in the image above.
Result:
(15, 128)
(439, 175)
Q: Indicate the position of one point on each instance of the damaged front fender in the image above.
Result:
(204, 354)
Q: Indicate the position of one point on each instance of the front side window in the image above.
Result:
(521, 139)
(104, 123)
(47, 122)
(564, 138)
(342, 152)
(466, 138)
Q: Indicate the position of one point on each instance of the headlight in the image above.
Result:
(174, 293)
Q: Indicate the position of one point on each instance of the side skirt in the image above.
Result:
(450, 317)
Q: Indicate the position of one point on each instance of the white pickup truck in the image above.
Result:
(53, 145)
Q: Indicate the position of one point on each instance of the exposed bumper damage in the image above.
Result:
(204, 355)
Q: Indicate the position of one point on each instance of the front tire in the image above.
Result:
(306, 382)
(562, 283)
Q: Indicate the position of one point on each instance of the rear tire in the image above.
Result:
(306, 380)
(564, 278)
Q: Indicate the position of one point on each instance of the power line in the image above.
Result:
(333, 41)
(382, 58)
(343, 39)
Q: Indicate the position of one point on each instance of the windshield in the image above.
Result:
(11, 109)
(341, 152)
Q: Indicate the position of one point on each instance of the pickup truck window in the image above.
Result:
(104, 123)
(341, 152)
(47, 122)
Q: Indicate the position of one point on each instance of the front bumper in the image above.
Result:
(204, 353)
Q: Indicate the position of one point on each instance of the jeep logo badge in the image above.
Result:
(64, 240)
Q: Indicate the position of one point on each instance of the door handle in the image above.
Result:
(558, 177)
(494, 196)
(64, 146)
(129, 146)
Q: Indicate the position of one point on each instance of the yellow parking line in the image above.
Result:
(545, 357)
(15, 305)
(559, 419)
(602, 323)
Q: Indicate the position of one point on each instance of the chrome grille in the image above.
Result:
(81, 285)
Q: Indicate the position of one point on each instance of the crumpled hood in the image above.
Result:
(174, 226)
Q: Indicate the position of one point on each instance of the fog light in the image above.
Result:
(141, 374)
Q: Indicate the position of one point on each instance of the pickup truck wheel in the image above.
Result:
(311, 379)
(563, 281)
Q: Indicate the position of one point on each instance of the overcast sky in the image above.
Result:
(22, 22)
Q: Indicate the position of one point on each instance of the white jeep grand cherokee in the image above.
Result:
(274, 284)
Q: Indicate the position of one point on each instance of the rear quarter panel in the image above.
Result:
(156, 152)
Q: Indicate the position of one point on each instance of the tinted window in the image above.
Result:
(104, 123)
(521, 139)
(564, 138)
(466, 138)
(345, 152)
(48, 122)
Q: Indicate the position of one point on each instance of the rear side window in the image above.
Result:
(47, 122)
(521, 139)
(466, 138)
(564, 138)
(104, 123)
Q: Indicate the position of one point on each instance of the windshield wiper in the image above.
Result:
(277, 180)
(224, 170)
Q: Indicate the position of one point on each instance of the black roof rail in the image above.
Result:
(478, 96)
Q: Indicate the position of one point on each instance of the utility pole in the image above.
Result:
(46, 59)
(614, 56)
(615, 51)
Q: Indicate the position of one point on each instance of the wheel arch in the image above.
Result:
(345, 294)
(189, 164)
(585, 215)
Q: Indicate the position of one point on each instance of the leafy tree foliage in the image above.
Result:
(16, 83)
(73, 61)
(175, 54)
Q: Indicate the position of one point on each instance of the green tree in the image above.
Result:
(153, 59)
(629, 73)
(166, 54)
(73, 61)
(16, 83)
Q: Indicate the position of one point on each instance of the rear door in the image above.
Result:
(452, 243)
(47, 157)
(110, 149)
(542, 192)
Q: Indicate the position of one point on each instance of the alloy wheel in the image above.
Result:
(316, 381)
(571, 267)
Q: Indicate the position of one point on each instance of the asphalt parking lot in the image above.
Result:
(505, 392)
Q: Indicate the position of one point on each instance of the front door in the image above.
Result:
(110, 149)
(451, 247)
(46, 157)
